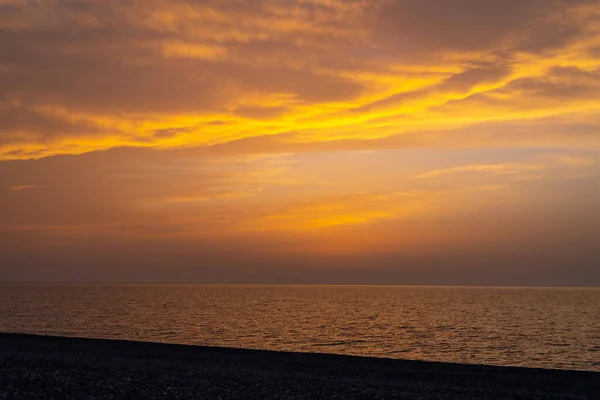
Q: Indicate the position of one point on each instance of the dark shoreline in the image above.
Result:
(46, 367)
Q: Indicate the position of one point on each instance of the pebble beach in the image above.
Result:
(44, 367)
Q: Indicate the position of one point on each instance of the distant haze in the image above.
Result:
(364, 141)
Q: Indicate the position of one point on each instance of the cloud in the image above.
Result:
(87, 75)
(547, 163)
(423, 26)
(19, 122)
(169, 133)
(349, 209)
(574, 161)
(259, 112)
(461, 82)
(472, 76)
(19, 188)
(128, 65)
(495, 169)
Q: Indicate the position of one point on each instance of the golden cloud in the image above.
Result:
(83, 76)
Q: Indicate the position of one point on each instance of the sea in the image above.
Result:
(557, 328)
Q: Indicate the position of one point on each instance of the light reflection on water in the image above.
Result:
(534, 327)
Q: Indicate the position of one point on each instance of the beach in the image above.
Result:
(45, 367)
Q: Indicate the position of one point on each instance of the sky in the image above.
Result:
(300, 141)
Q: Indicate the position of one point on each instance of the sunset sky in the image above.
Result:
(300, 141)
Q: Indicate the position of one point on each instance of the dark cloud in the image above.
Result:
(396, 100)
(16, 120)
(594, 52)
(559, 85)
(108, 86)
(97, 57)
(472, 76)
(553, 90)
(259, 112)
(574, 74)
(107, 83)
(423, 26)
(170, 132)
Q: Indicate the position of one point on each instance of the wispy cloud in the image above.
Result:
(20, 188)
(494, 169)
(542, 163)
(180, 73)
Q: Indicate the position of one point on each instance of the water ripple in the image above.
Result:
(548, 328)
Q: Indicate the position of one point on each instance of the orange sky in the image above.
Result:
(311, 141)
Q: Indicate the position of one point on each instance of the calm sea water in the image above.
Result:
(533, 327)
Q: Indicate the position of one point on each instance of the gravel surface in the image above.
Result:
(44, 367)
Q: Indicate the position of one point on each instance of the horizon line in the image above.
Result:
(298, 284)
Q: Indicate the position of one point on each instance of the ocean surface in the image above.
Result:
(533, 327)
